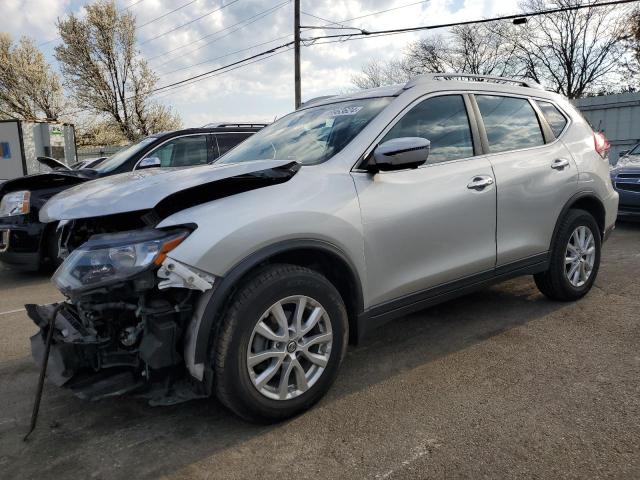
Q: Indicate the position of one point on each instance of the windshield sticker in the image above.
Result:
(352, 110)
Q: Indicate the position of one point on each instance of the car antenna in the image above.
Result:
(43, 371)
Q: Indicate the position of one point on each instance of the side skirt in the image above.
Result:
(380, 314)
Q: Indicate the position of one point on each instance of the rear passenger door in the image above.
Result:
(428, 226)
(534, 172)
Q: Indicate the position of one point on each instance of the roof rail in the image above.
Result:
(235, 125)
(470, 77)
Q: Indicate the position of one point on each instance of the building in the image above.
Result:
(21, 142)
(618, 116)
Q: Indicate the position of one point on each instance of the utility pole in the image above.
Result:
(296, 40)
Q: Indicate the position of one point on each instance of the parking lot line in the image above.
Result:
(12, 311)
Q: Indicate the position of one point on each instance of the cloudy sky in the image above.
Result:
(262, 90)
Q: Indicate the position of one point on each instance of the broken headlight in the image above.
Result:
(111, 258)
(15, 203)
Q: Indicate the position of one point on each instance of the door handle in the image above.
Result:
(560, 163)
(480, 182)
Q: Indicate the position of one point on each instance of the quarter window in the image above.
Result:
(182, 151)
(511, 123)
(441, 120)
(554, 118)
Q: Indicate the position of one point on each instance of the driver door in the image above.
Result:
(426, 227)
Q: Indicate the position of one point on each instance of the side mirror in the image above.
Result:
(149, 162)
(401, 153)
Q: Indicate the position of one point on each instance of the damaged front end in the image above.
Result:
(122, 329)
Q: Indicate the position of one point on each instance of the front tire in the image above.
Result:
(281, 343)
(574, 260)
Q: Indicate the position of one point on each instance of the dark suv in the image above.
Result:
(28, 244)
(625, 177)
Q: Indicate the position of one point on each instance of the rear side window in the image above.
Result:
(553, 116)
(226, 141)
(441, 120)
(511, 123)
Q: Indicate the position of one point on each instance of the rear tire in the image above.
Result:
(574, 259)
(261, 320)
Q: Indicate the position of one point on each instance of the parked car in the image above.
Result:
(246, 279)
(625, 176)
(27, 244)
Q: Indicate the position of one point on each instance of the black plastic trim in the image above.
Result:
(385, 312)
(225, 286)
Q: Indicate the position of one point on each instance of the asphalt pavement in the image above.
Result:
(502, 383)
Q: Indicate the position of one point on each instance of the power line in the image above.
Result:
(257, 55)
(472, 22)
(166, 14)
(172, 89)
(268, 10)
(226, 55)
(223, 36)
(133, 4)
(341, 22)
(189, 22)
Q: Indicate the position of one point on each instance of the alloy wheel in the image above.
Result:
(580, 256)
(289, 347)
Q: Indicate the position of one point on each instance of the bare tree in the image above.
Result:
(105, 72)
(29, 89)
(466, 49)
(573, 52)
(378, 73)
(477, 49)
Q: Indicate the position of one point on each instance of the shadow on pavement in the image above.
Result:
(125, 438)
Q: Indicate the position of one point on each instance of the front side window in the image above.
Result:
(182, 151)
(441, 120)
(553, 116)
(309, 136)
(120, 158)
(510, 123)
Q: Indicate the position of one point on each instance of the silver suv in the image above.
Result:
(248, 278)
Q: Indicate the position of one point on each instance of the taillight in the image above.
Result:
(602, 144)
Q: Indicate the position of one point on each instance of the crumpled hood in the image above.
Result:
(146, 189)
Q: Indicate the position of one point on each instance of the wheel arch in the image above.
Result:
(318, 255)
(587, 201)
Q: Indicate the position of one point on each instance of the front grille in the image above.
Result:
(628, 175)
(628, 187)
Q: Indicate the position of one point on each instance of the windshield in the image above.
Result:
(309, 136)
(635, 150)
(123, 155)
